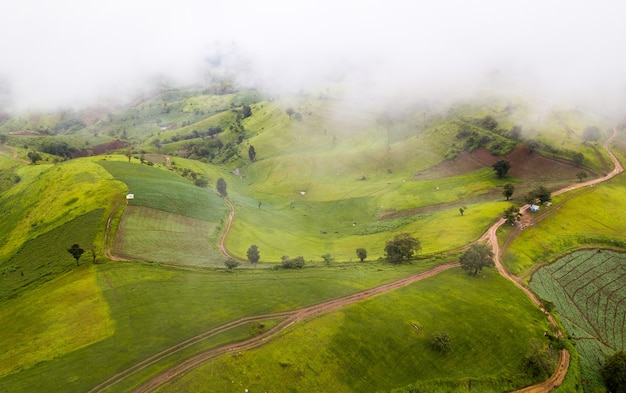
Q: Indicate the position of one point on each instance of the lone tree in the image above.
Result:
(441, 342)
(578, 158)
(328, 259)
(76, 252)
(402, 247)
(462, 209)
(581, 175)
(221, 187)
(361, 253)
(502, 168)
(512, 214)
(93, 251)
(476, 257)
(290, 112)
(231, 264)
(252, 153)
(542, 193)
(508, 190)
(34, 156)
(253, 254)
(591, 133)
(614, 372)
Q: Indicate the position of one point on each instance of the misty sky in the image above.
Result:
(68, 52)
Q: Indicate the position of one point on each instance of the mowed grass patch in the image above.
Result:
(154, 307)
(157, 236)
(383, 343)
(594, 216)
(161, 189)
(51, 320)
(45, 257)
(588, 289)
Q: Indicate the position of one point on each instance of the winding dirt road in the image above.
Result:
(291, 317)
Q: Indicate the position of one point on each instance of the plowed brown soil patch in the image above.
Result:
(526, 165)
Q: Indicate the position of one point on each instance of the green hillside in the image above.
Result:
(308, 176)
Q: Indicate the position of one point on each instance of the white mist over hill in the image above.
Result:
(74, 52)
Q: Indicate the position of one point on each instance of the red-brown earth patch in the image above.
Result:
(99, 149)
(526, 165)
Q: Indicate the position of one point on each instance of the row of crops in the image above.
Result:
(588, 289)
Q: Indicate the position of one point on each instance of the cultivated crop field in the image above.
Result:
(158, 236)
(588, 289)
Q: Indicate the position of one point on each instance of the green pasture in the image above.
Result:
(383, 343)
(312, 229)
(45, 257)
(587, 289)
(593, 216)
(152, 307)
(52, 320)
(49, 196)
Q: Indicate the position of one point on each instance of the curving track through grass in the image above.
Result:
(292, 317)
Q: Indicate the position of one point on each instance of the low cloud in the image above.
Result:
(72, 52)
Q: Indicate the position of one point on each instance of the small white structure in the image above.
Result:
(534, 208)
(130, 196)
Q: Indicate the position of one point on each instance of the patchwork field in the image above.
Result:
(588, 289)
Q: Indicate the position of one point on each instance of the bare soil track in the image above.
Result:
(291, 317)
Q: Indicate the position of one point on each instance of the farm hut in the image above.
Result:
(130, 196)
(534, 208)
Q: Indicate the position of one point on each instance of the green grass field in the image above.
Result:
(319, 185)
(588, 289)
(373, 345)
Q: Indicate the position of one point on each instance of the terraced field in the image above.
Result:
(588, 289)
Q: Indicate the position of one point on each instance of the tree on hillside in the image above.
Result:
(489, 123)
(614, 372)
(441, 342)
(290, 112)
(581, 175)
(542, 193)
(221, 187)
(502, 168)
(508, 190)
(512, 214)
(252, 153)
(402, 247)
(578, 158)
(591, 133)
(34, 156)
(462, 209)
(361, 253)
(129, 154)
(246, 111)
(253, 254)
(328, 259)
(477, 257)
(76, 252)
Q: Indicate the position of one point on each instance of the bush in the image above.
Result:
(441, 342)
(292, 263)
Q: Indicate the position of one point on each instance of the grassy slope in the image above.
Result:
(49, 196)
(309, 157)
(145, 309)
(357, 349)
